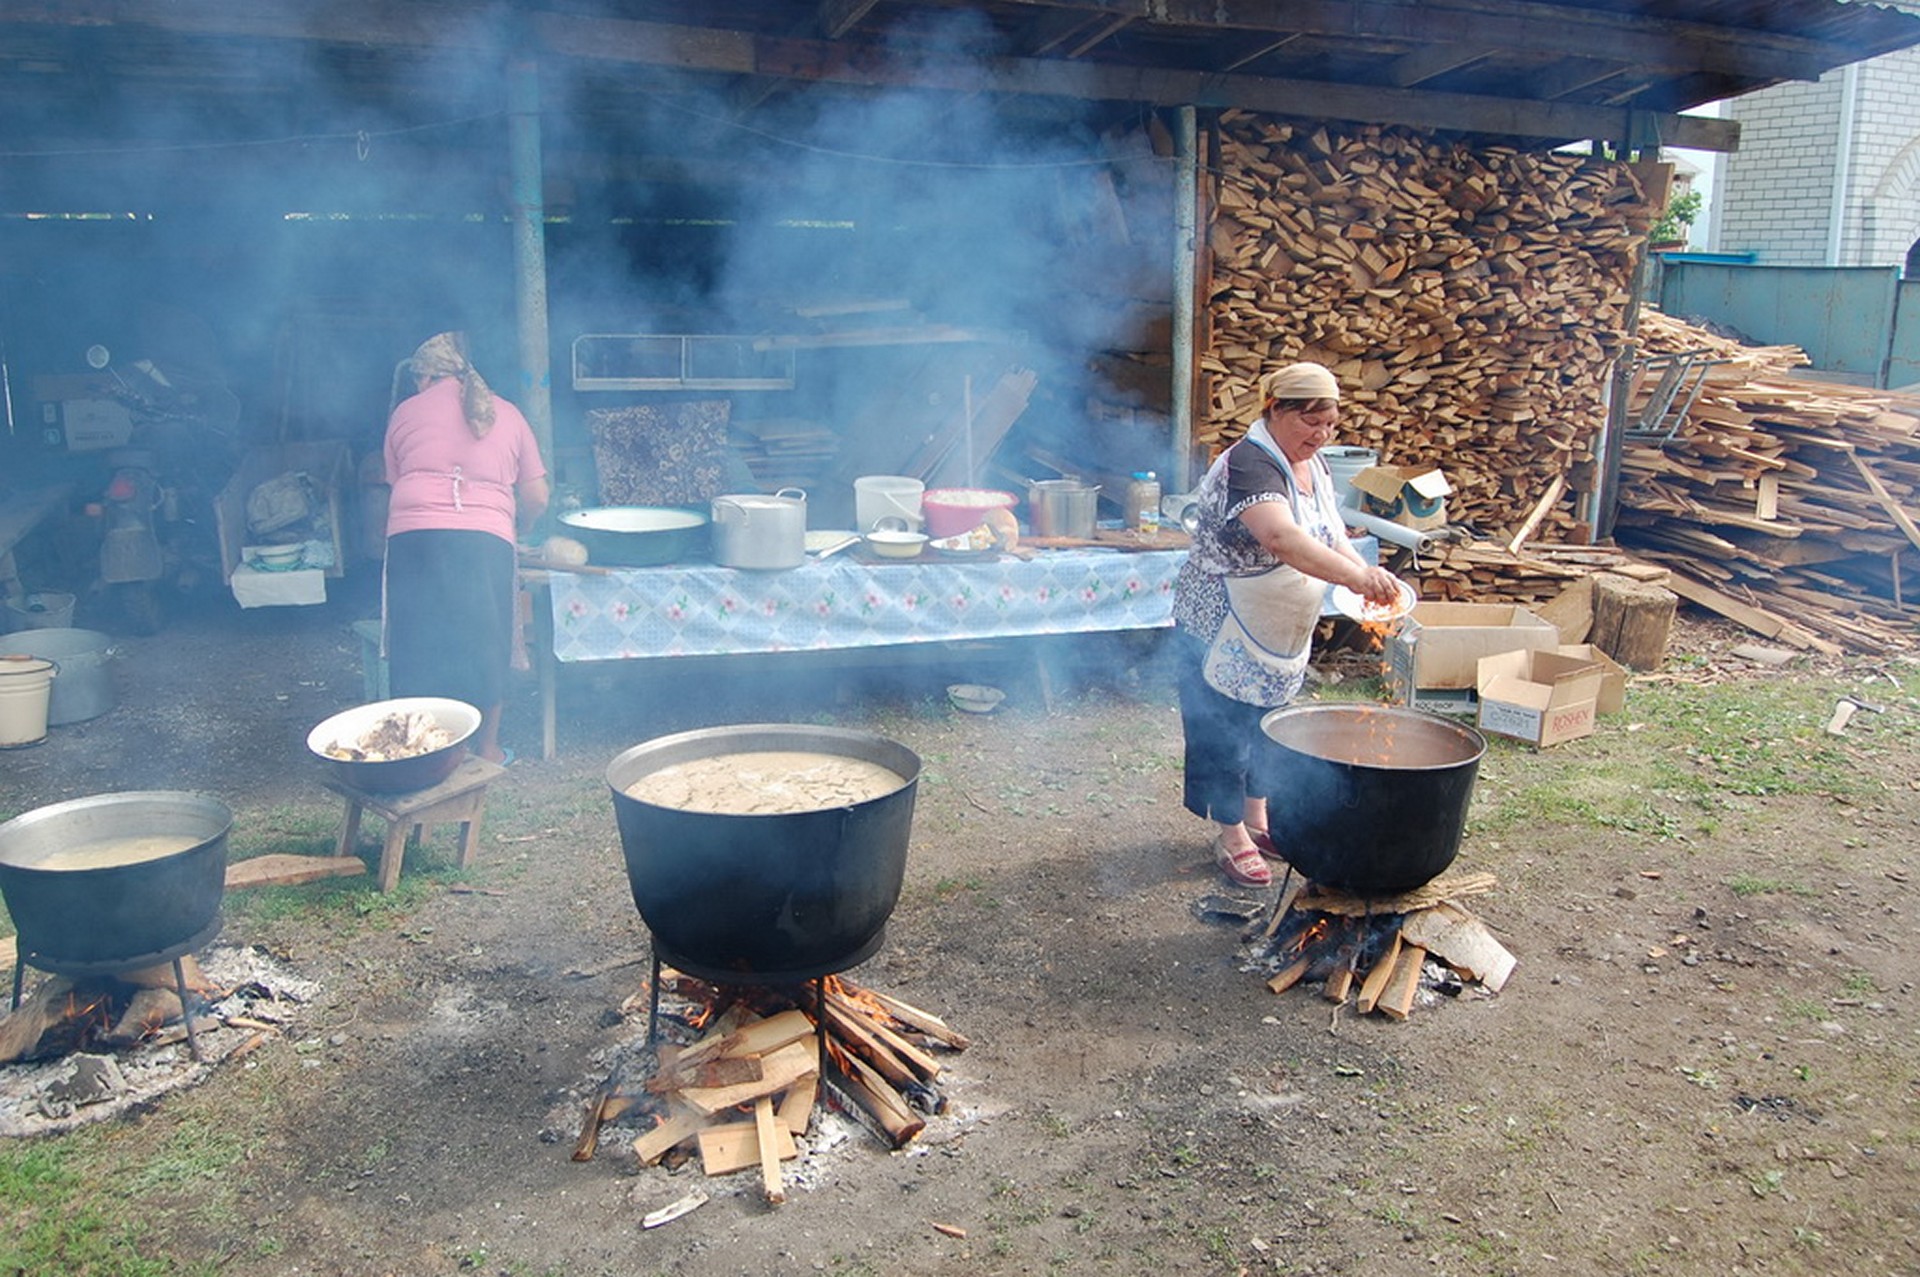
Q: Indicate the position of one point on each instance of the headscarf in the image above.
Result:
(1299, 381)
(445, 355)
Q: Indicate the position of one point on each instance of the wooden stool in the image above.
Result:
(460, 797)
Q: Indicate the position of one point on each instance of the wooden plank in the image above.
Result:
(1462, 941)
(283, 869)
(1547, 498)
(779, 1070)
(734, 1146)
(760, 1037)
(1376, 981)
(1396, 1000)
(1892, 507)
(796, 1106)
(669, 1135)
(767, 1132)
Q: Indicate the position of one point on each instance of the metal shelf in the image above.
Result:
(679, 361)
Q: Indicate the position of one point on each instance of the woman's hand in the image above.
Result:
(1377, 585)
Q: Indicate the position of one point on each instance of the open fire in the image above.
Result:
(1381, 952)
(746, 1086)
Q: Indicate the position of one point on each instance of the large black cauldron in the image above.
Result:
(1365, 798)
(109, 917)
(767, 899)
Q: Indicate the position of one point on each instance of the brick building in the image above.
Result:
(1828, 171)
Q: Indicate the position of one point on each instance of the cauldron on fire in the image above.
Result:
(1368, 799)
(765, 898)
(115, 882)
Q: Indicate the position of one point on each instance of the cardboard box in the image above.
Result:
(326, 462)
(1440, 644)
(1541, 697)
(1413, 496)
(1613, 687)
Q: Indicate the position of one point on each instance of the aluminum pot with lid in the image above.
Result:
(1062, 507)
(761, 532)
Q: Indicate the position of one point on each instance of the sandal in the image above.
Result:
(1244, 867)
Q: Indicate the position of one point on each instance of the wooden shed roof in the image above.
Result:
(79, 75)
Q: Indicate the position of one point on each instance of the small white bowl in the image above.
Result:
(890, 544)
(975, 698)
(276, 558)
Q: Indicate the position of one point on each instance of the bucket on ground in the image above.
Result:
(878, 496)
(1346, 463)
(41, 610)
(26, 685)
(85, 687)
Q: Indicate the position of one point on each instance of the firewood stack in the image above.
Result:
(1784, 503)
(1470, 300)
(746, 1088)
(1374, 954)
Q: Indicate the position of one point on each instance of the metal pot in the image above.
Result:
(84, 689)
(1062, 508)
(396, 775)
(768, 899)
(637, 536)
(1366, 798)
(115, 916)
(760, 532)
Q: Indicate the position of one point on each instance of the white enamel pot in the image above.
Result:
(761, 532)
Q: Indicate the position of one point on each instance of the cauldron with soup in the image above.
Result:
(765, 853)
(115, 881)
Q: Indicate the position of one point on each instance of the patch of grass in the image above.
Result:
(71, 1206)
(1751, 885)
(1859, 984)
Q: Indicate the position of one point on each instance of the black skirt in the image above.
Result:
(449, 609)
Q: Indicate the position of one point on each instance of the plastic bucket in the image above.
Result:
(877, 496)
(43, 610)
(84, 689)
(26, 685)
(1346, 463)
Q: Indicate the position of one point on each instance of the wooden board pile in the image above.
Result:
(742, 1092)
(1472, 300)
(1783, 503)
(1375, 952)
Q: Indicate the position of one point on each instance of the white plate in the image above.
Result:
(818, 541)
(1349, 604)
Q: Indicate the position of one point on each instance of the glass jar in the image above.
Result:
(1143, 502)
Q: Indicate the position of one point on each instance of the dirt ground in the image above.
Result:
(1707, 1061)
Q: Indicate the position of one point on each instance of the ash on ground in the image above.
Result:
(255, 996)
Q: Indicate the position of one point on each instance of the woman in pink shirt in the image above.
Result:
(467, 478)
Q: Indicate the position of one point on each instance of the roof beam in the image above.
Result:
(436, 24)
(1435, 60)
(1522, 25)
(1044, 77)
(837, 17)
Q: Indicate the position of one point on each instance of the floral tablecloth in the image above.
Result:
(843, 602)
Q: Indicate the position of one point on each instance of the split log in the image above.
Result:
(1461, 941)
(924, 1021)
(1396, 999)
(880, 1102)
(1376, 981)
(27, 1023)
(669, 1135)
(768, 1133)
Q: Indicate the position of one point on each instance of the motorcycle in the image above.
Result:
(158, 535)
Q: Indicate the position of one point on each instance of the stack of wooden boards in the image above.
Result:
(1784, 503)
(1471, 300)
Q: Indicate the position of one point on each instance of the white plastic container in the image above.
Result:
(878, 496)
(1346, 463)
(26, 686)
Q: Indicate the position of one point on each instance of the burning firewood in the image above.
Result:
(1377, 950)
(761, 1055)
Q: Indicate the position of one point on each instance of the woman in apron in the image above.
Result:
(467, 477)
(1269, 541)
